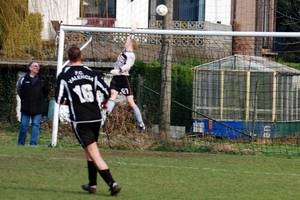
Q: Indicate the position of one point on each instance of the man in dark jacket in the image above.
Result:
(32, 89)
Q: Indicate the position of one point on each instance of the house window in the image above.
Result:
(186, 10)
(99, 8)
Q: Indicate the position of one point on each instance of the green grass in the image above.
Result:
(57, 173)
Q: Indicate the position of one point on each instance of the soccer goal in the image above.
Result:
(235, 86)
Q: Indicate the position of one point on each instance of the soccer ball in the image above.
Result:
(161, 10)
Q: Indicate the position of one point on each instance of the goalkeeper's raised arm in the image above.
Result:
(131, 35)
(126, 59)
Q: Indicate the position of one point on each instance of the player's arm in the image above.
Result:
(103, 87)
(60, 95)
(104, 104)
(131, 35)
(105, 90)
(129, 61)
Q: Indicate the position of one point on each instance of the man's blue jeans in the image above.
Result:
(35, 128)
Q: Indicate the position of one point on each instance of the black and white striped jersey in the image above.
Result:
(78, 85)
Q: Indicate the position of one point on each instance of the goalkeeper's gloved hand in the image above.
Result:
(115, 71)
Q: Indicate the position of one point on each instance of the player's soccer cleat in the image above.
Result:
(142, 128)
(114, 189)
(90, 188)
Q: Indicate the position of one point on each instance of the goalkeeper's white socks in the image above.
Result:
(138, 116)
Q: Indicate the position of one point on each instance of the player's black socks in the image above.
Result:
(105, 174)
(92, 169)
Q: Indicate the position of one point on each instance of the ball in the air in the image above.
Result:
(161, 10)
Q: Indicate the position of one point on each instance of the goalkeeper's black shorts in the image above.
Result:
(121, 84)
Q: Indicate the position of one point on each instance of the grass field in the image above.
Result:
(57, 173)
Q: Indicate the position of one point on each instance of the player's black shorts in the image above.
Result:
(86, 132)
(121, 84)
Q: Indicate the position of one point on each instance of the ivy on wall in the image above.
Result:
(8, 100)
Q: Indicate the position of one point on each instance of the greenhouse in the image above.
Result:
(246, 95)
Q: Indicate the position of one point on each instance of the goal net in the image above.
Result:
(224, 84)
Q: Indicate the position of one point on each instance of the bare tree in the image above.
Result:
(288, 15)
(288, 20)
(166, 73)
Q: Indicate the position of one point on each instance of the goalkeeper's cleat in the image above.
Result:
(114, 189)
(90, 188)
(142, 128)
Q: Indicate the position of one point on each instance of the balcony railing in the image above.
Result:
(178, 25)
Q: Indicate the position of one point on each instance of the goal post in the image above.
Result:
(142, 32)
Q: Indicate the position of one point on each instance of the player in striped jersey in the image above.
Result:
(76, 87)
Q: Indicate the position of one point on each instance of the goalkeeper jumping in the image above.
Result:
(120, 83)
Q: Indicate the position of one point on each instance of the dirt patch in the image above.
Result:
(5, 138)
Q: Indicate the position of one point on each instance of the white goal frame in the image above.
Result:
(64, 28)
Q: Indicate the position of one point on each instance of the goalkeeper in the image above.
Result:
(120, 83)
